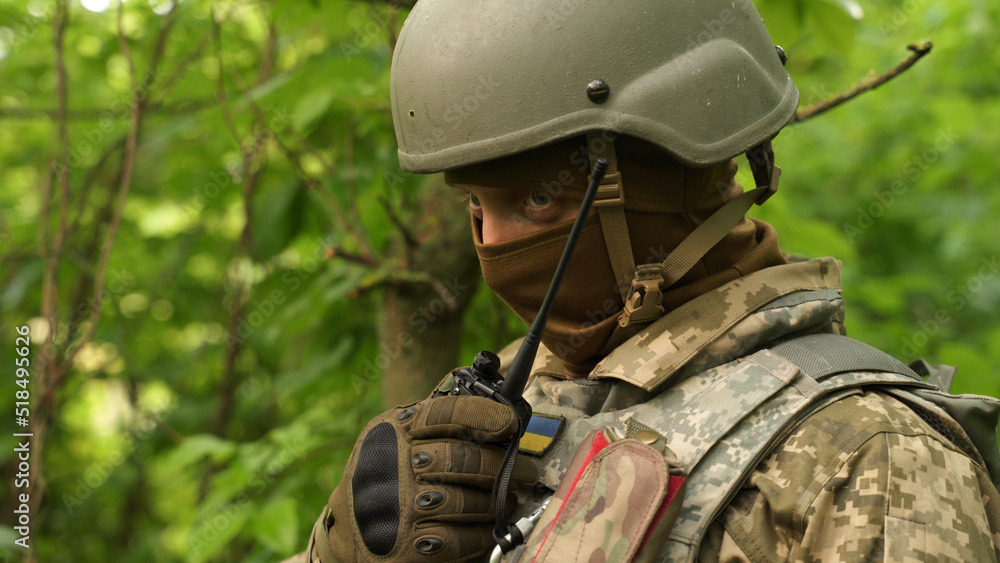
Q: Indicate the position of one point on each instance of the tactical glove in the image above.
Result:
(417, 486)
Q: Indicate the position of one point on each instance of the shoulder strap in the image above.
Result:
(822, 355)
(825, 369)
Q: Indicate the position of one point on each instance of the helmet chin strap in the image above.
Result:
(610, 204)
(642, 286)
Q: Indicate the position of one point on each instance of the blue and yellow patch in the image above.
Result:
(541, 433)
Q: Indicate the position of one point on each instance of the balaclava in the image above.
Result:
(664, 202)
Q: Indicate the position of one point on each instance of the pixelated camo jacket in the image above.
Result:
(864, 479)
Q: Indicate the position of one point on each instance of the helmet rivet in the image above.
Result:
(781, 54)
(598, 91)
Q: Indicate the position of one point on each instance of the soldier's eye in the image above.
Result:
(539, 199)
(473, 200)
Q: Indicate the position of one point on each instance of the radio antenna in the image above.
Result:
(520, 367)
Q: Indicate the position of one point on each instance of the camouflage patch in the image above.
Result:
(603, 511)
(541, 434)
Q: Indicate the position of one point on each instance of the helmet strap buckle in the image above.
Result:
(611, 193)
(645, 302)
(765, 173)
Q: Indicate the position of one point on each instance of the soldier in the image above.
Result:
(693, 400)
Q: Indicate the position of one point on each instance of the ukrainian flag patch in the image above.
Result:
(541, 433)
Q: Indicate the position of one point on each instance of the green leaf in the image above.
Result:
(783, 20)
(833, 25)
(276, 525)
(852, 8)
(210, 535)
(277, 219)
(311, 107)
(27, 278)
(197, 447)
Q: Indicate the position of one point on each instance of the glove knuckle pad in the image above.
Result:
(375, 486)
(456, 462)
(477, 418)
(451, 504)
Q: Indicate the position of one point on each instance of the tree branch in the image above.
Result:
(48, 368)
(128, 163)
(408, 237)
(388, 277)
(919, 49)
(180, 108)
(251, 149)
(220, 87)
(338, 252)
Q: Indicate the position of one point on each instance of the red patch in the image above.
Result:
(600, 442)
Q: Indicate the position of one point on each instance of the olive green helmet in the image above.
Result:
(474, 80)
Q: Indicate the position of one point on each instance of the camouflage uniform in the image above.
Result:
(862, 479)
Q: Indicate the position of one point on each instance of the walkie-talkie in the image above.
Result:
(482, 379)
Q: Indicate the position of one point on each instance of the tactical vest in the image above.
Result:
(724, 422)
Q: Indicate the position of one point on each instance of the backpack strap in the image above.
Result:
(824, 370)
(939, 375)
(822, 355)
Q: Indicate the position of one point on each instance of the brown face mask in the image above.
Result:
(664, 201)
(585, 309)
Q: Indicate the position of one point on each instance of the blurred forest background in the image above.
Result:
(226, 273)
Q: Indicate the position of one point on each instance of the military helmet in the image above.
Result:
(473, 81)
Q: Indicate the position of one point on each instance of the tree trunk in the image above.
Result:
(420, 329)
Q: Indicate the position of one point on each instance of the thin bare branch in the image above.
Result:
(393, 36)
(182, 66)
(350, 176)
(873, 81)
(93, 173)
(93, 114)
(389, 277)
(220, 86)
(158, 51)
(390, 211)
(337, 252)
(61, 171)
(128, 163)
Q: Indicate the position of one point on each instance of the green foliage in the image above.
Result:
(897, 183)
